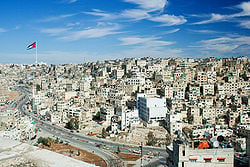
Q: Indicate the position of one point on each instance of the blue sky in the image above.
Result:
(69, 30)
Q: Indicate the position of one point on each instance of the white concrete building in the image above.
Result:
(208, 89)
(183, 155)
(129, 118)
(174, 123)
(118, 73)
(151, 109)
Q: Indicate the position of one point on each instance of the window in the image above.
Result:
(192, 159)
(207, 160)
(221, 159)
(182, 164)
(183, 153)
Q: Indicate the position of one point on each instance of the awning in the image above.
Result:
(221, 158)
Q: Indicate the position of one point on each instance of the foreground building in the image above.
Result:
(151, 109)
(184, 155)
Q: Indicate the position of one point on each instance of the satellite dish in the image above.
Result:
(216, 144)
(220, 138)
(213, 139)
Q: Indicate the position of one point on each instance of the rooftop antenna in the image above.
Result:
(84, 60)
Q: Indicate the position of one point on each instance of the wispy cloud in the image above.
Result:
(149, 5)
(214, 17)
(245, 24)
(73, 24)
(225, 44)
(205, 31)
(169, 20)
(55, 18)
(153, 52)
(135, 14)
(150, 41)
(54, 31)
(96, 32)
(100, 13)
(171, 31)
(146, 9)
(2, 30)
(134, 40)
(68, 1)
(72, 1)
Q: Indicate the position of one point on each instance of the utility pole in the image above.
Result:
(141, 154)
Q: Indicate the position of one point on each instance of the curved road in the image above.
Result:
(90, 142)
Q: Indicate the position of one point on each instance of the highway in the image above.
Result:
(98, 145)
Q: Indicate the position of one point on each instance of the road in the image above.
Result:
(98, 145)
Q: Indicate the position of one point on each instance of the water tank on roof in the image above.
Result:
(216, 144)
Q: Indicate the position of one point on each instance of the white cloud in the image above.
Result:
(135, 40)
(172, 31)
(225, 44)
(136, 14)
(245, 24)
(145, 42)
(54, 31)
(152, 52)
(68, 1)
(73, 24)
(214, 18)
(55, 18)
(169, 20)
(245, 7)
(206, 31)
(151, 5)
(2, 30)
(147, 9)
(91, 33)
(72, 1)
(100, 13)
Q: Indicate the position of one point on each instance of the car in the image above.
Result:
(137, 151)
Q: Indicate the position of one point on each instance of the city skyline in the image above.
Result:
(69, 30)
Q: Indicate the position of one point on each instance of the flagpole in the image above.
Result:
(36, 52)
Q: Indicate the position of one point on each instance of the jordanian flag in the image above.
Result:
(31, 46)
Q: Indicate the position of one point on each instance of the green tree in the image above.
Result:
(190, 119)
(151, 139)
(43, 141)
(57, 140)
(104, 133)
(38, 87)
(118, 150)
(73, 124)
(97, 116)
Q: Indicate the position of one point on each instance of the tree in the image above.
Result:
(43, 141)
(104, 133)
(97, 116)
(168, 139)
(118, 150)
(190, 119)
(57, 140)
(38, 87)
(151, 139)
(73, 124)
